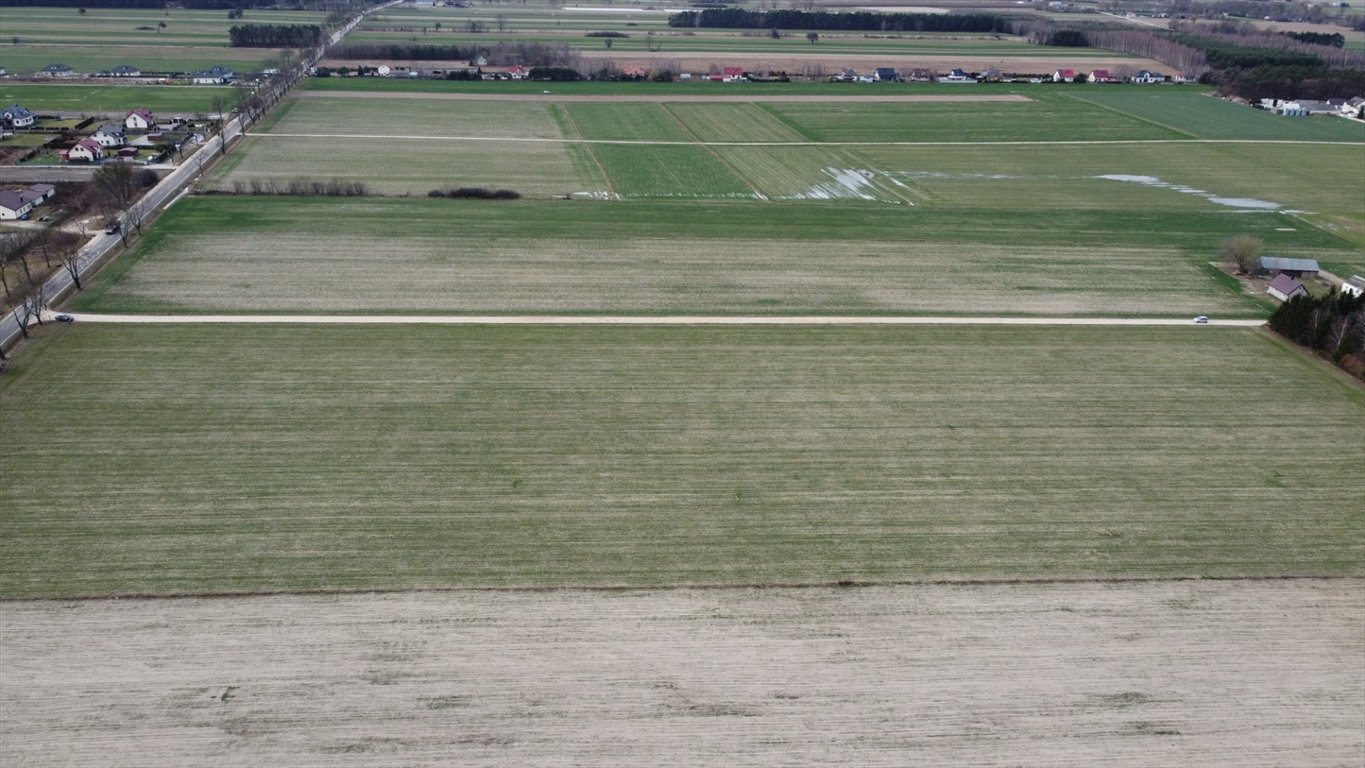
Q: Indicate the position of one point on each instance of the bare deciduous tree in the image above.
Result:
(1241, 250)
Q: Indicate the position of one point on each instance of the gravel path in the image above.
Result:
(658, 97)
(86, 317)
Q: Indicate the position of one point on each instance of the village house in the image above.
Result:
(957, 76)
(1100, 76)
(109, 135)
(14, 205)
(922, 75)
(732, 74)
(139, 120)
(16, 116)
(887, 74)
(86, 151)
(517, 73)
(213, 76)
(126, 70)
(1147, 77)
(1276, 265)
(1284, 288)
(1063, 75)
(57, 70)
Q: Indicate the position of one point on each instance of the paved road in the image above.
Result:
(647, 320)
(94, 252)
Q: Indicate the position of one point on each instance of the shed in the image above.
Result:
(1284, 287)
(1275, 265)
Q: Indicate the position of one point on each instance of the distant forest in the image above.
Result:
(275, 35)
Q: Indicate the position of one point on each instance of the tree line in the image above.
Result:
(275, 35)
(1332, 325)
(865, 21)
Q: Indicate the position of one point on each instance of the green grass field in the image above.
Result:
(677, 257)
(236, 459)
(103, 38)
(86, 99)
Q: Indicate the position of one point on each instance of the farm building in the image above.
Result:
(1063, 75)
(1354, 286)
(126, 70)
(57, 70)
(1284, 287)
(213, 76)
(1100, 76)
(109, 135)
(139, 120)
(1275, 265)
(17, 117)
(15, 204)
(85, 151)
(1147, 77)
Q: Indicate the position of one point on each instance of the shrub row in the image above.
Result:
(301, 187)
(476, 193)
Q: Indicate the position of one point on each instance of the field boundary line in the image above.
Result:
(753, 187)
(1132, 116)
(698, 586)
(802, 320)
(597, 161)
(646, 142)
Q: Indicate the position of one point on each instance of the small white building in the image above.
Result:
(213, 76)
(1284, 288)
(1147, 77)
(139, 120)
(109, 135)
(1063, 75)
(1354, 287)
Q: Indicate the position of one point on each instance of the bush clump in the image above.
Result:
(475, 193)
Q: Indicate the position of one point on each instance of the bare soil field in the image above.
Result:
(1245, 673)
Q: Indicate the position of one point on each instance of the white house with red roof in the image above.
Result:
(1063, 75)
(85, 151)
(732, 74)
(1100, 76)
(517, 73)
(139, 120)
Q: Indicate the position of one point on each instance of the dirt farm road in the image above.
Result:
(167, 319)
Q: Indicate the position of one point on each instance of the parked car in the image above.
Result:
(114, 228)
(64, 318)
(1202, 319)
(45, 219)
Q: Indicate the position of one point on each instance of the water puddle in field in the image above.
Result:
(850, 184)
(1244, 203)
